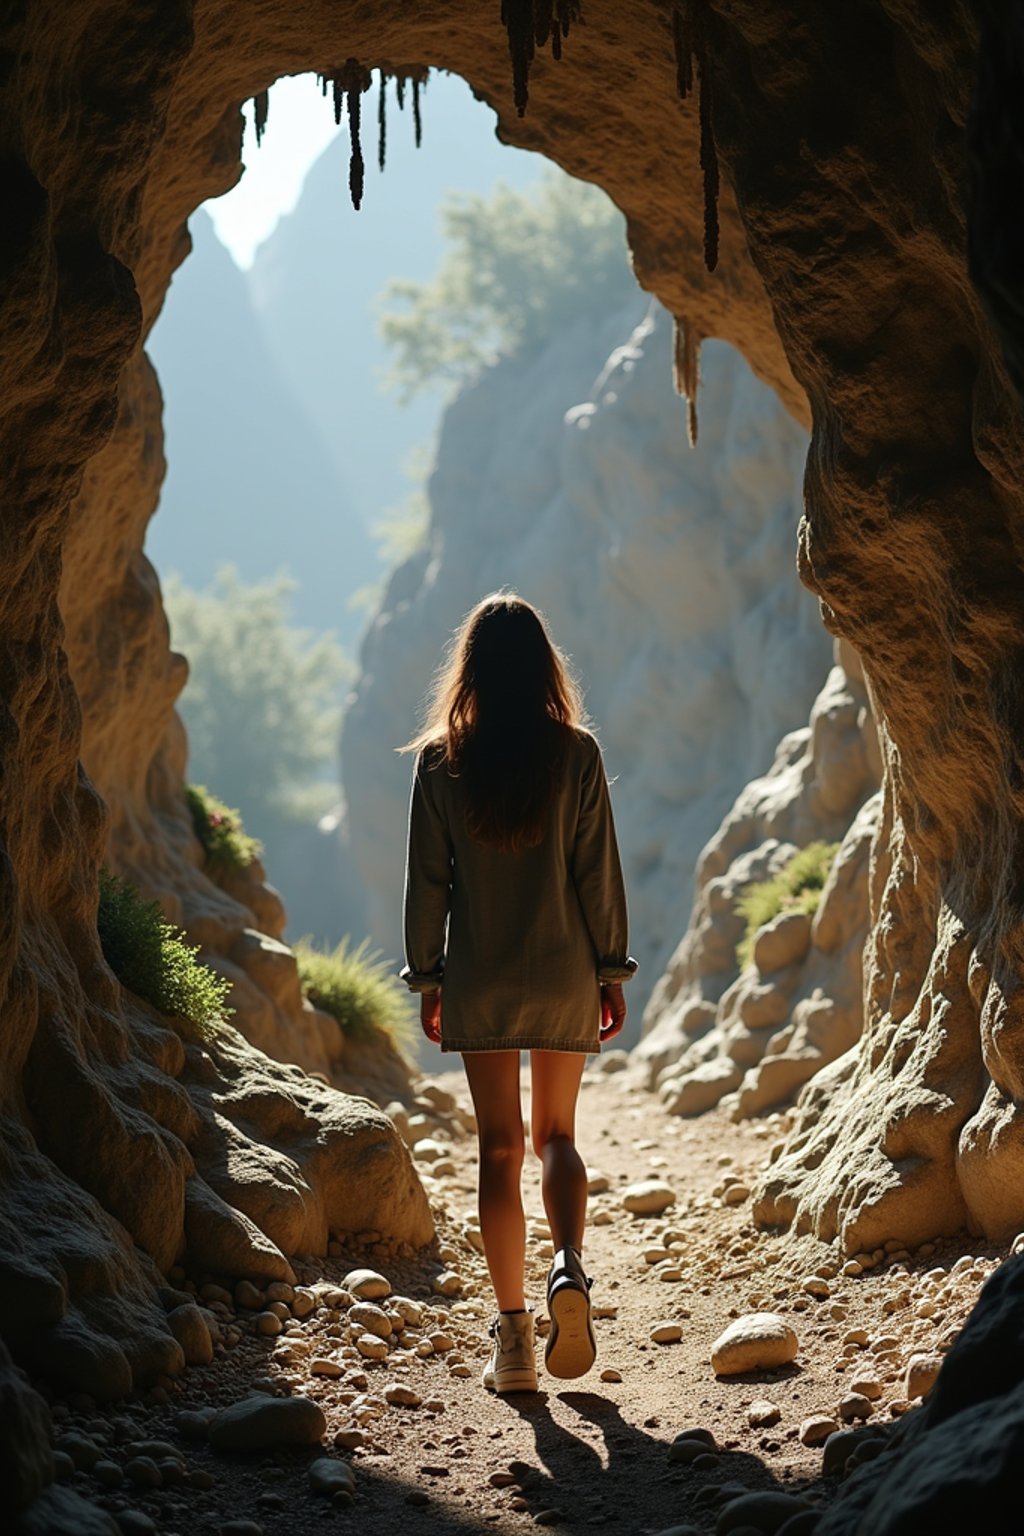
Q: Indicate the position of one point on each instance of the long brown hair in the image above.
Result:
(501, 711)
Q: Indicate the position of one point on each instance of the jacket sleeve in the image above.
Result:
(597, 875)
(428, 879)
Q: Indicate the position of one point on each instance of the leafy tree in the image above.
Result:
(263, 702)
(519, 264)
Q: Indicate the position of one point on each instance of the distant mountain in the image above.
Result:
(317, 280)
(248, 480)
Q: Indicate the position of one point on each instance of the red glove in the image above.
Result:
(613, 1010)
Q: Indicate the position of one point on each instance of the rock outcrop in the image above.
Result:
(665, 572)
(759, 1034)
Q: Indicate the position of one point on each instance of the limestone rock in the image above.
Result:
(367, 1284)
(648, 1197)
(189, 1328)
(261, 1423)
(757, 1341)
(328, 1476)
(921, 1375)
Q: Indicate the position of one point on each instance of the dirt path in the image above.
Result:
(576, 1455)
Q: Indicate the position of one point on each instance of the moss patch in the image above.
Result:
(797, 887)
(226, 844)
(151, 958)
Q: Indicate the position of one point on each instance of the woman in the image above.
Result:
(515, 937)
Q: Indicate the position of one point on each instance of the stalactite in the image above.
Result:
(400, 91)
(690, 37)
(260, 110)
(416, 115)
(687, 371)
(529, 24)
(338, 93)
(382, 124)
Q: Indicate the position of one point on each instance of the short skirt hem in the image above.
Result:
(521, 1043)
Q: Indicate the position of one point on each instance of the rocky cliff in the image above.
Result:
(665, 572)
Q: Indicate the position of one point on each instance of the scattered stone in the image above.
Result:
(855, 1406)
(762, 1413)
(666, 1333)
(108, 1474)
(134, 1522)
(189, 1328)
(548, 1517)
(610, 1374)
(321, 1365)
(816, 1429)
(757, 1341)
(411, 1312)
(349, 1439)
(371, 1319)
(367, 1284)
(814, 1285)
(303, 1302)
(83, 1452)
(143, 1472)
(597, 1182)
(417, 1496)
(762, 1511)
(268, 1324)
(262, 1423)
(401, 1396)
(648, 1197)
(921, 1374)
(736, 1194)
(856, 1336)
(371, 1348)
(329, 1477)
(249, 1296)
(502, 1479)
(867, 1386)
(447, 1283)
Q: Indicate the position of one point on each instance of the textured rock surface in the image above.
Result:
(666, 573)
(841, 133)
(760, 1035)
(960, 1453)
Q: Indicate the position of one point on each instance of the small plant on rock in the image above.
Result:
(226, 844)
(152, 959)
(796, 888)
(358, 988)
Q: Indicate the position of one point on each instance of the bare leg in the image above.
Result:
(556, 1084)
(494, 1083)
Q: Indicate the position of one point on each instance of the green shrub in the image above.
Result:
(152, 959)
(797, 887)
(226, 844)
(358, 988)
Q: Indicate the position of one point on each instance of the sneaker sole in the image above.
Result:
(571, 1350)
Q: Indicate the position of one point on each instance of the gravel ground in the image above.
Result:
(432, 1451)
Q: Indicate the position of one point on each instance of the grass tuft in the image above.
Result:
(226, 844)
(151, 958)
(796, 888)
(358, 988)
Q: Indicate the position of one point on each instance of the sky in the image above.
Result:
(300, 125)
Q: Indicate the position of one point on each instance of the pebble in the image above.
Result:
(188, 1325)
(920, 1375)
(548, 1517)
(108, 1474)
(761, 1511)
(83, 1452)
(762, 1413)
(756, 1341)
(447, 1283)
(814, 1285)
(648, 1197)
(367, 1284)
(349, 1439)
(262, 1423)
(303, 1302)
(401, 1396)
(371, 1319)
(502, 1479)
(133, 1522)
(610, 1374)
(867, 1386)
(855, 1406)
(329, 1477)
(268, 1324)
(816, 1429)
(736, 1194)
(320, 1365)
(249, 1296)
(411, 1312)
(666, 1333)
(597, 1182)
(371, 1347)
(143, 1472)
(63, 1467)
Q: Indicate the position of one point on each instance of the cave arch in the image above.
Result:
(841, 277)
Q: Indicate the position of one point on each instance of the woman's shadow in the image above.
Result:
(608, 1471)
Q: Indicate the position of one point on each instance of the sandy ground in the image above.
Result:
(593, 1453)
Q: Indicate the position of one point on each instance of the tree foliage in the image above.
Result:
(263, 702)
(519, 265)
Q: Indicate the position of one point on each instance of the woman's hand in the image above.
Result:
(430, 1015)
(613, 1010)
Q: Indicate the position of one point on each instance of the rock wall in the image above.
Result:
(842, 277)
(665, 572)
(758, 1035)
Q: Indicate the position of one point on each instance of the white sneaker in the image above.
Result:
(571, 1349)
(512, 1366)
